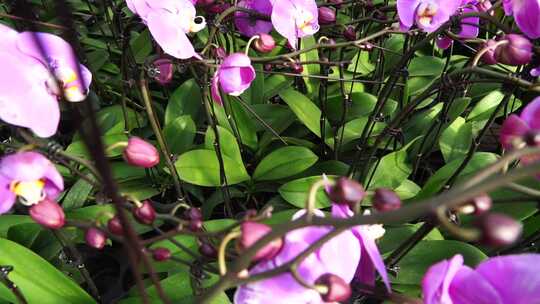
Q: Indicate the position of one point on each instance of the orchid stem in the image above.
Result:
(222, 247)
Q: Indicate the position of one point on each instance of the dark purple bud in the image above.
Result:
(220, 52)
(165, 67)
(193, 213)
(95, 238)
(337, 3)
(195, 225)
(161, 254)
(347, 192)
(498, 229)
(386, 200)
(140, 153)
(48, 214)
(517, 51)
(349, 33)
(265, 43)
(338, 289)
(145, 214)
(484, 6)
(297, 68)
(489, 55)
(268, 67)
(206, 249)
(115, 226)
(532, 138)
(326, 15)
(251, 233)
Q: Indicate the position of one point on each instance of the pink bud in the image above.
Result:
(386, 200)
(326, 15)
(161, 254)
(207, 250)
(251, 233)
(145, 214)
(489, 55)
(498, 229)
(95, 238)
(517, 51)
(482, 204)
(338, 289)
(297, 68)
(349, 33)
(336, 3)
(195, 225)
(265, 43)
(115, 226)
(347, 191)
(140, 153)
(165, 67)
(48, 214)
(193, 213)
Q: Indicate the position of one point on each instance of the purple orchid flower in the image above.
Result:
(526, 14)
(169, 22)
(469, 27)
(508, 279)
(29, 176)
(27, 95)
(234, 76)
(249, 25)
(352, 254)
(295, 19)
(515, 128)
(428, 15)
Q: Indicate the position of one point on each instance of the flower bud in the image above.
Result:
(336, 3)
(48, 214)
(517, 51)
(145, 214)
(297, 68)
(498, 229)
(95, 238)
(206, 249)
(193, 213)
(251, 233)
(115, 226)
(482, 204)
(386, 200)
(349, 33)
(141, 153)
(326, 15)
(161, 254)
(265, 43)
(347, 192)
(489, 55)
(268, 67)
(532, 138)
(165, 68)
(205, 2)
(485, 6)
(338, 289)
(220, 52)
(195, 225)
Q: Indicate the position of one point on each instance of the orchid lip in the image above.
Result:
(425, 13)
(30, 193)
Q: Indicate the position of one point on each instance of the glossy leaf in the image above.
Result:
(284, 162)
(201, 167)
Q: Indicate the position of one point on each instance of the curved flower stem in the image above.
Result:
(485, 50)
(312, 196)
(470, 235)
(119, 144)
(253, 38)
(293, 269)
(160, 138)
(4, 272)
(221, 252)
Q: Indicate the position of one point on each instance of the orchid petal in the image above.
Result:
(531, 114)
(172, 39)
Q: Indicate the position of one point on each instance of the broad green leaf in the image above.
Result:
(77, 195)
(296, 192)
(437, 181)
(306, 111)
(426, 66)
(10, 220)
(392, 170)
(456, 140)
(201, 167)
(77, 148)
(274, 84)
(407, 189)
(227, 143)
(244, 124)
(39, 281)
(394, 236)
(141, 46)
(362, 105)
(361, 62)
(185, 100)
(354, 129)
(312, 84)
(284, 162)
(139, 189)
(426, 253)
(180, 134)
(112, 119)
(483, 109)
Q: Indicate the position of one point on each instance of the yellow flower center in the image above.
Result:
(303, 21)
(30, 193)
(426, 12)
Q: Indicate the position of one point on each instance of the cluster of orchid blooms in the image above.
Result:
(52, 73)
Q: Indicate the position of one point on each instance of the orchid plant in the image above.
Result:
(270, 151)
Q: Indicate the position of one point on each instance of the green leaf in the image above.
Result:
(456, 140)
(141, 46)
(306, 111)
(296, 192)
(364, 66)
(180, 134)
(426, 253)
(111, 119)
(407, 189)
(244, 124)
(394, 236)
(77, 195)
(201, 167)
(284, 162)
(10, 220)
(227, 143)
(426, 66)
(185, 100)
(77, 148)
(392, 170)
(310, 69)
(483, 109)
(274, 84)
(39, 281)
(353, 129)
